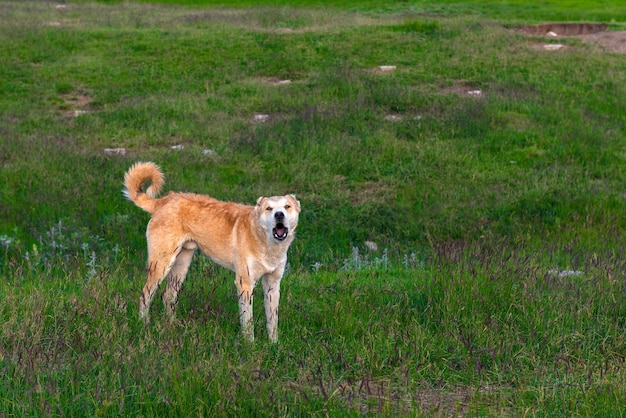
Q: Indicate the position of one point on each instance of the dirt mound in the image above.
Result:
(564, 29)
(611, 41)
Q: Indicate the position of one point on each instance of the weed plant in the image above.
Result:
(460, 249)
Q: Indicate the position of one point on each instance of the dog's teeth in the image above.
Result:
(280, 233)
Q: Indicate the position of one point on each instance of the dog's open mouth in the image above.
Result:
(280, 232)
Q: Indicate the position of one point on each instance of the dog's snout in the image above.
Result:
(279, 216)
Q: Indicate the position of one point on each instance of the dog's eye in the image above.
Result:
(287, 206)
(268, 208)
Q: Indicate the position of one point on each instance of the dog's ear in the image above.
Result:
(296, 201)
(259, 203)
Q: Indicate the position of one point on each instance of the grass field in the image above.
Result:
(608, 11)
(488, 171)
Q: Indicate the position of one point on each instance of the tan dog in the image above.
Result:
(252, 241)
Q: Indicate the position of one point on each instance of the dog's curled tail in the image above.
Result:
(135, 177)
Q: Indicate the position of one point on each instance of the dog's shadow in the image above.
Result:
(208, 294)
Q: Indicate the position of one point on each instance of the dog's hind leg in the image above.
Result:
(175, 279)
(158, 269)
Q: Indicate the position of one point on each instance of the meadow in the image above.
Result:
(461, 243)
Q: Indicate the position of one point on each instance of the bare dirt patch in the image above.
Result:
(610, 41)
(274, 81)
(74, 104)
(372, 394)
(370, 192)
(76, 100)
(462, 88)
(564, 29)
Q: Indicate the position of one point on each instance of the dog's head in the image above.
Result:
(278, 216)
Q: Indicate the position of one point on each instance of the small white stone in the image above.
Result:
(260, 118)
(386, 68)
(475, 93)
(552, 34)
(177, 147)
(80, 112)
(565, 273)
(393, 118)
(552, 47)
(115, 151)
(208, 152)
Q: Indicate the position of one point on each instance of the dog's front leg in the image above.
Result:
(271, 293)
(244, 291)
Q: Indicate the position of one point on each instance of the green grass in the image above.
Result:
(498, 286)
(516, 10)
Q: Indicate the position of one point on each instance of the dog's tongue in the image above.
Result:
(280, 232)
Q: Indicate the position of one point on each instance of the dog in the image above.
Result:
(252, 241)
